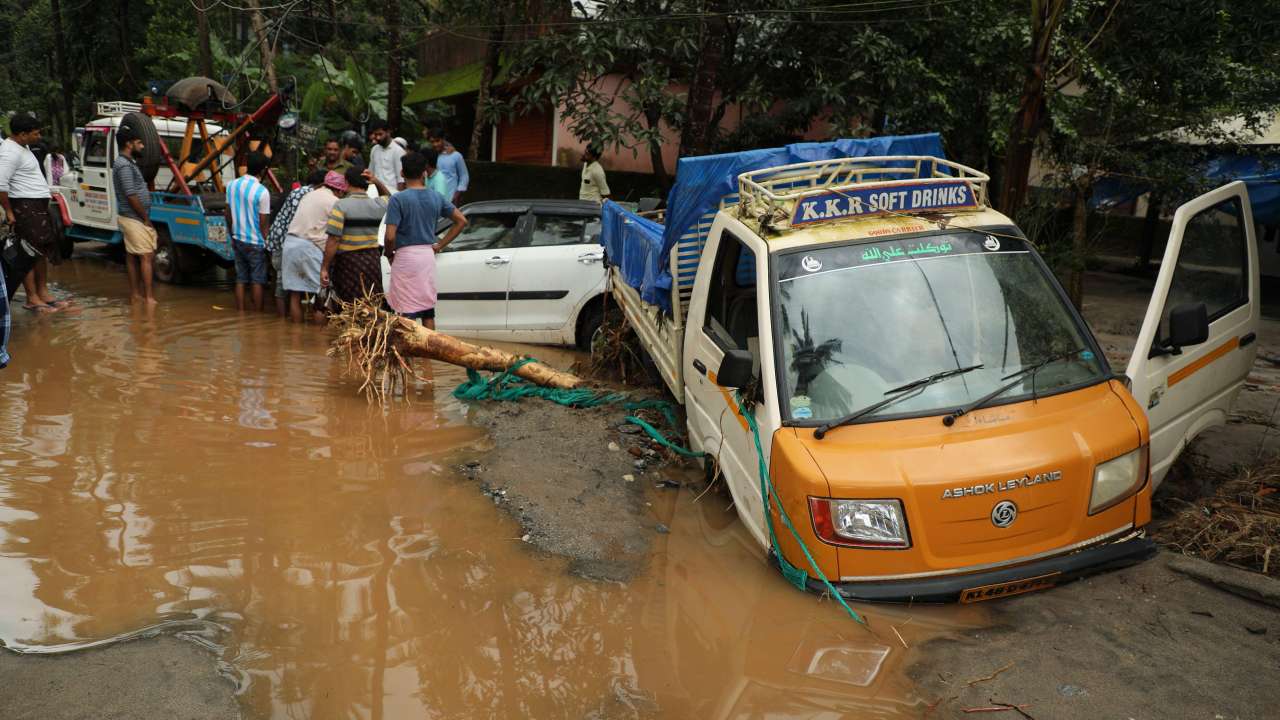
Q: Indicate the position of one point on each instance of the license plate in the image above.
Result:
(217, 233)
(1006, 589)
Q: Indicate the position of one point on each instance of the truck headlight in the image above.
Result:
(1115, 480)
(860, 523)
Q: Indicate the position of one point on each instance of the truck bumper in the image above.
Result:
(1001, 582)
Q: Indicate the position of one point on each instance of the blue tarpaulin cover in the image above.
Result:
(1262, 176)
(641, 247)
(629, 242)
(1260, 173)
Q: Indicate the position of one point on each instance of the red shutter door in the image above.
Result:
(525, 139)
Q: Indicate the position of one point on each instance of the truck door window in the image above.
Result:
(1213, 264)
(487, 231)
(95, 149)
(731, 300)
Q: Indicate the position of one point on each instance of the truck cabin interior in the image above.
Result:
(731, 299)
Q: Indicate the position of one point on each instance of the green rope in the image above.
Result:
(507, 386)
(794, 575)
(657, 436)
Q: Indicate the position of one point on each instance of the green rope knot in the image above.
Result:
(506, 386)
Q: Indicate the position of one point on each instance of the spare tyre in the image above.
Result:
(200, 94)
(151, 157)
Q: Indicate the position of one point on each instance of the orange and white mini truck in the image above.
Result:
(933, 415)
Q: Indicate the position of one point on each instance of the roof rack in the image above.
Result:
(803, 193)
(116, 108)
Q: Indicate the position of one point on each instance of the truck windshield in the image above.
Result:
(857, 320)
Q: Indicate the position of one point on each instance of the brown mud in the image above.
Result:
(157, 678)
(552, 468)
(1145, 642)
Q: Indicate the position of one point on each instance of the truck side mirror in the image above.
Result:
(1188, 325)
(735, 369)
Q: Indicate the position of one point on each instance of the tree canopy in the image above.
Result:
(1094, 86)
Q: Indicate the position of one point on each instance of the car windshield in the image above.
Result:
(858, 320)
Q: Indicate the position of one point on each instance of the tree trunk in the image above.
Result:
(264, 46)
(492, 54)
(1079, 241)
(377, 345)
(65, 79)
(202, 40)
(1029, 118)
(419, 341)
(124, 44)
(697, 131)
(395, 86)
(654, 118)
(1149, 225)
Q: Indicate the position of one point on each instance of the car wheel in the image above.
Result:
(590, 324)
(165, 263)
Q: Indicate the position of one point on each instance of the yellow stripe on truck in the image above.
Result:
(1179, 375)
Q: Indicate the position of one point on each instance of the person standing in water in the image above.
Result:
(133, 207)
(352, 263)
(24, 195)
(411, 242)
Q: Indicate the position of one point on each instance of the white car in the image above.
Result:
(527, 271)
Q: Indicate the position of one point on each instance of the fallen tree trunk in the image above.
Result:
(378, 346)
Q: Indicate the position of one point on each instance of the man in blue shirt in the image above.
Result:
(450, 164)
(412, 244)
(248, 217)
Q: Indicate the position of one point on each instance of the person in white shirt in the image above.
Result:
(385, 156)
(594, 185)
(24, 195)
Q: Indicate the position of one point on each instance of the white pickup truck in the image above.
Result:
(191, 228)
(937, 421)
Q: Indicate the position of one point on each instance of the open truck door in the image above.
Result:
(1196, 346)
(723, 356)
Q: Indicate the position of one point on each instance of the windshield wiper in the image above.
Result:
(895, 394)
(950, 420)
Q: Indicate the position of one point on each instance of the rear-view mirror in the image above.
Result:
(735, 369)
(1188, 325)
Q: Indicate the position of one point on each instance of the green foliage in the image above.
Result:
(114, 48)
(1124, 76)
(341, 97)
(169, 50)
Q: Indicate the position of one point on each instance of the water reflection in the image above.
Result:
(197, 464)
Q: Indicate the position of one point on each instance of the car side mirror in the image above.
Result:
(735, 369)
(1188, 325)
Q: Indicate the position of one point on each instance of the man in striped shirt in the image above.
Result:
(248, 217)
(352, 264)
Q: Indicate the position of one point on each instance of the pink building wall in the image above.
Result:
(567, 150)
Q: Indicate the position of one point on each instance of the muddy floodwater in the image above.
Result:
(214, 476)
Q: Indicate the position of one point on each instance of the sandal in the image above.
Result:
(41, 308)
